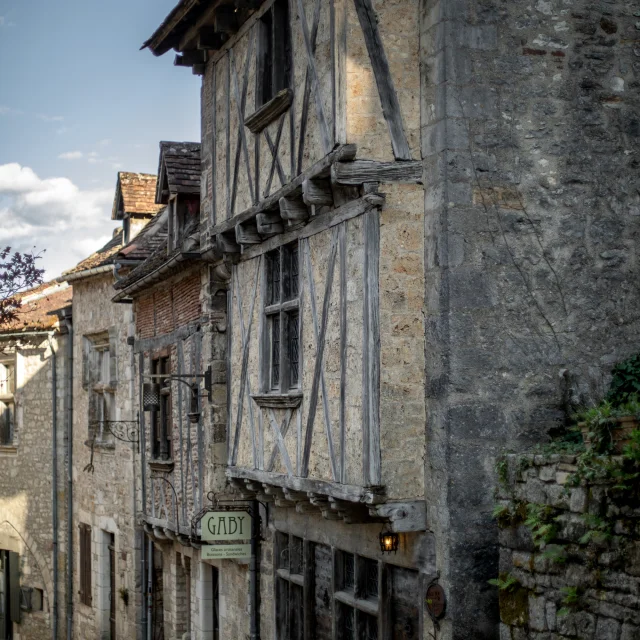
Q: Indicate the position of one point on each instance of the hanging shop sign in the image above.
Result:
(225, 551)
(225, 525)
(436, 601)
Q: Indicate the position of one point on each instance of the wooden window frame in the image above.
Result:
(7, 405)
(281, 372)
(161, 423)
(84, 564)
(357, 598)
(275, 65)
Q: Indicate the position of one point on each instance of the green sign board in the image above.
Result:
(225, 551)
(225, 525)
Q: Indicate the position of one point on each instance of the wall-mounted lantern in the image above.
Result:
(389, 541)
(151, 391)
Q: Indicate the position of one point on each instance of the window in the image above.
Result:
(290, 587)
(161, 423)
(85, 564)
(282, 319)
(338, 583)
(100, 379)
(183, 215)
(274, 53)
(7, 405)
(111, 547)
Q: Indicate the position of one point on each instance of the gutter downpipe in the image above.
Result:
(69, 324)
(54, 482)
(146, 620)
(254, 593)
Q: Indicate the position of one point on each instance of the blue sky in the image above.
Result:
(78, 102)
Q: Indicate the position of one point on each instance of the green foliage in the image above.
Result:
(599, 530)
(599, 422)
(625, 383)
(555, 553)
(506, 582)
(632, 450)
(502, 469)
(541, 521)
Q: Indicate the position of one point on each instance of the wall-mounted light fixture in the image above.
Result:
(389, 541)
(151, 391)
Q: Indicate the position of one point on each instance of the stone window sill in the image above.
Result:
(278, 400)
(101, 445)
(8, 449)
(161, 466)
(269, 112)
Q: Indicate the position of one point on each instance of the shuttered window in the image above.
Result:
(85, 564)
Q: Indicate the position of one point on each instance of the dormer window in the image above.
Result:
(274, 53)
(183, 216)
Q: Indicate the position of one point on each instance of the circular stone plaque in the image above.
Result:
(436, 601)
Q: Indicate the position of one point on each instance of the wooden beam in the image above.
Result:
(210, 39)
(226, 19)
(317, 192)
(361, 171)
(199, 69)
(189, 58)
(269, 224)
(227, 244)
(293, 210)
(388, 96)
(247, 233)
(268, 113)
(320, 169)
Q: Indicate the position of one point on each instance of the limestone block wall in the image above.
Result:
(104, 498)
(26, 509)
(530, 129)
(593, 592)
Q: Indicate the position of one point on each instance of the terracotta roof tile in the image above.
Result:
(138, 194)
(39, 306)
(150, 238)
(101, 257)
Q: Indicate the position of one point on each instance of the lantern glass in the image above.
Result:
(151, 396)
(388, 542)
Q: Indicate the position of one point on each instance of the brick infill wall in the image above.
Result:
(569, 555)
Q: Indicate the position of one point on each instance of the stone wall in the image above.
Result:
(531, 123)
(104, 498)
(26, 511)
(604, 570)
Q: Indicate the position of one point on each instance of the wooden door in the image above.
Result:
(112, 588)
(157, 591)
(3, 595)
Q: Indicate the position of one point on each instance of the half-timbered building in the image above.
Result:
(311, 219)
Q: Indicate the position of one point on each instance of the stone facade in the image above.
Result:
(105, 469)
(26, 468)
(572, 587)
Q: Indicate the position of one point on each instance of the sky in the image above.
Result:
(78, 103)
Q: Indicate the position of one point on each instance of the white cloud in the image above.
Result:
(62, 130)
(104, 143)
(71, 155)
(52, 214)
(47, 118)
(8, 111)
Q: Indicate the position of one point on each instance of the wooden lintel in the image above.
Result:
(211, 40)
(226, 19)
(317, 192)
(360, 171)
(247, 233)
(293, 210)
(269, 112)
(227, 244)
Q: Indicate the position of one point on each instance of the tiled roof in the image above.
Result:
(158, 258)
(38, 308)
(150, 238)
(179, 169)
(138, 194)
(100, 258)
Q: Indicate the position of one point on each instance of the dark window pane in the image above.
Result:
(371, 579)
(275, 351)
(296, 555)
(294, 347)
(283, 550)
(290, 284)
(273, 277)
(297, 615)
(347, 623)
(348, 571)
(368, 627)
(282, 608)
(267, 55)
